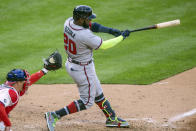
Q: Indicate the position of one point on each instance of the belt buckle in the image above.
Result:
(83, 63)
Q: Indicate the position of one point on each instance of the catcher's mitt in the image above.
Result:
(53, 62)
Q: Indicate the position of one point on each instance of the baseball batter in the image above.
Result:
(79, 43)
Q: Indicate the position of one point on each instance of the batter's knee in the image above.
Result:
(97, 99)
(88, 102)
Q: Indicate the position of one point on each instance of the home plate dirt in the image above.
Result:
(168, 105)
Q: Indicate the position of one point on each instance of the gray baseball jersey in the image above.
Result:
(79, 44)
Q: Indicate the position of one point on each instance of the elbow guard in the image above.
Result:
(95, 27)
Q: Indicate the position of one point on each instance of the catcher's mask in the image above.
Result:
(83, 11)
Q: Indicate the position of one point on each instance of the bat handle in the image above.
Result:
(145, 28)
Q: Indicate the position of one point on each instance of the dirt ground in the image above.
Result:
(168, 105)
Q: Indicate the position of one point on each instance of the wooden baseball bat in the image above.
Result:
(158, 26)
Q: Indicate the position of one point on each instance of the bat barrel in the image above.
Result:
(168, 24)
(160, 25)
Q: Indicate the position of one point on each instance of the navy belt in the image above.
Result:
(80, 63)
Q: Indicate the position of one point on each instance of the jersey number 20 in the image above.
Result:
(70, 45)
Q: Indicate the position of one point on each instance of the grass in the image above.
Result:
(31, 30)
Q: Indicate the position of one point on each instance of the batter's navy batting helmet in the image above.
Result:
(83, 11)
(16, 75)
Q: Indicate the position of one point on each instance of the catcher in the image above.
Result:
(17, 84)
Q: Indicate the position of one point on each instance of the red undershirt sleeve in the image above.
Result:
(36, 76)
(4, 116)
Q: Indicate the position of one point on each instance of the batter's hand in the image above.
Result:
(125, 34)
(115, 32)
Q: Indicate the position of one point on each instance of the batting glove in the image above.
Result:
(125, 34)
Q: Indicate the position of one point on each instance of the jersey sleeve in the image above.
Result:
(8, 97)
(92, 40)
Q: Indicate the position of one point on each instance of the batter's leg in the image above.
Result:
(111, 119)
(53, 117)
(73, 107)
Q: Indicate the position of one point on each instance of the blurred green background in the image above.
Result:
(32, 29)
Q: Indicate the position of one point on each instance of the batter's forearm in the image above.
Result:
(111, 42)
(95, 27)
